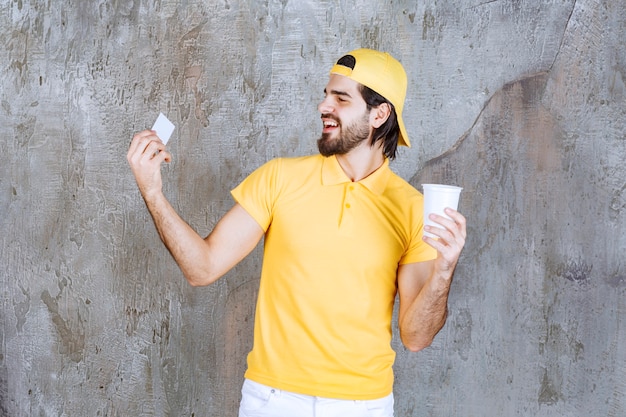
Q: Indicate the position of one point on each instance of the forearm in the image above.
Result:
(188, 248)
(426, 315)
(424, 286)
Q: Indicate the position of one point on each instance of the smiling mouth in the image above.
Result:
(329, 122)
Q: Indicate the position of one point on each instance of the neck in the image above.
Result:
(361, 161)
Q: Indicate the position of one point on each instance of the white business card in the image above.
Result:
(163, 128)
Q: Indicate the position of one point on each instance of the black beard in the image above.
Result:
(354, 134)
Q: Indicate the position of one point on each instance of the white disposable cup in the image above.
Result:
(436, 198)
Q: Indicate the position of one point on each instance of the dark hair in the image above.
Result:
(389, 131)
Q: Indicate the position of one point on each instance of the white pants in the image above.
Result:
(259, 400)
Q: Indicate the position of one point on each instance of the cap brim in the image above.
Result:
(403, 139)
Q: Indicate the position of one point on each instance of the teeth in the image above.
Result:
(329, 124)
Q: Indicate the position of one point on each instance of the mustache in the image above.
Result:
(330, 116)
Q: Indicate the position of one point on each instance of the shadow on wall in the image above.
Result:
(539, 262)
(524, 193)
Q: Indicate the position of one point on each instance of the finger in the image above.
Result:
(455, 221)
(140, 140)
(444, 223)
(456, 216)
(447, 256)
(442, 237)
(141, 135)
(151, 150)
(446, 245)
(135, 143)
(162, 156)
(451, 238)
(145, 145)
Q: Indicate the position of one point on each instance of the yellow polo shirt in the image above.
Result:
(328, 283)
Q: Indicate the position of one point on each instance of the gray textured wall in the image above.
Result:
(519, 102)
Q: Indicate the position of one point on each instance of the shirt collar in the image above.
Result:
(332, 174)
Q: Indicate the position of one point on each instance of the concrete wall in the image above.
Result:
(519, 102)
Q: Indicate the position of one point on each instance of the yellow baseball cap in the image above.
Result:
(382, 73)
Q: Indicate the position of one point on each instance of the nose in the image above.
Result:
(325, 106)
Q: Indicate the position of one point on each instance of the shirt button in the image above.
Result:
(348, 205)
(352, 188)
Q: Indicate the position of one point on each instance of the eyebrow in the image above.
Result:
(338, 93)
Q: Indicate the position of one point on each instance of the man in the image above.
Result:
(343, 235)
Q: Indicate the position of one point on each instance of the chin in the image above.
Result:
(324, 146)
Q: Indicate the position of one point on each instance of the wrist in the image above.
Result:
(152, 197)
(441, 279)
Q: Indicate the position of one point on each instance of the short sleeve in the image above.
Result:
(418, 250)
(258, 192)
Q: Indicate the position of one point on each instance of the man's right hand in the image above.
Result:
(145, 155)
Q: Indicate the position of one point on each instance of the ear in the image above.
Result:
(379, 115)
